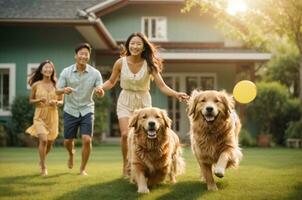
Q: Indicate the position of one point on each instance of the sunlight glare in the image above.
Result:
(235, 6)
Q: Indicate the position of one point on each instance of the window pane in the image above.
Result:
(153, 28)
(207, 83)
(161, 28)
(191, 84)
(146, 27)
(4, 89)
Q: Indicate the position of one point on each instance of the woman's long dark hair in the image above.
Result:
(149, 53)
(37, 74)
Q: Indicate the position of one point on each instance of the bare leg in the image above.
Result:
(69, 145)
(123, 123)
(49, 146)
(86, 149)
(42, 153)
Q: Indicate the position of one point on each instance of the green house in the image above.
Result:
(196, 54)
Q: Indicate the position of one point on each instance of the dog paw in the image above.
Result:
(219, 172)
(212, 187)
(144, 190)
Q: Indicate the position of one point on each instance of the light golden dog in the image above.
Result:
(154, 150)
(215, 129)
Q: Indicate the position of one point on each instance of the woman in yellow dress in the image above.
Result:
(46, 118)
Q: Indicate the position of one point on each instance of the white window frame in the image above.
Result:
(150, 31)
(197, 74)
(12, 85)
(30, 67)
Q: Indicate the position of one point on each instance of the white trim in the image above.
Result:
(12, 84)
(195, 74)
(215, 56)
(30, 66)
(149, 28)
(102, 5)
(108, 3)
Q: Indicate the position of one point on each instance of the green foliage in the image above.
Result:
(268, 104)
(245, 139)
(22, 116)
(284, 67)
(294, 130)
(2, 131)
(291, 111)
(3, 136)
(101, 122)
(273, 110)
(261, 26)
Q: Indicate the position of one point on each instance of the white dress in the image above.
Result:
(135, 93)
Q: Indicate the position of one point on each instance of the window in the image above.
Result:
(7, 87)
(30, 68)
(155, 28)
(201, 82)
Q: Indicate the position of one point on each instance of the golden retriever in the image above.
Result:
(214, 133)
(154, 150)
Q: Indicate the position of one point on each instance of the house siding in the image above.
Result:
(26, 44)
(187, 27)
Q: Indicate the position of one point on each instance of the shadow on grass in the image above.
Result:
(122, 189)
(14, 186)
(188, 190)
(116, 189)
(185, 190)
(297, 192)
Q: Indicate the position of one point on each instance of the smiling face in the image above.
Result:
(82, 56)
(151, 122)
(209, 105)
(47, 70)
(136, 46)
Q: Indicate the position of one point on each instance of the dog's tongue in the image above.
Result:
(151, 134)
(210, 118)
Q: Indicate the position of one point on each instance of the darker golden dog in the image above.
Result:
(154, 150)
(215, 129)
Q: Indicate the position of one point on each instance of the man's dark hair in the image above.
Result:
(82, 46)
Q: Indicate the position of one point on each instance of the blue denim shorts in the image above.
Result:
(73, 124)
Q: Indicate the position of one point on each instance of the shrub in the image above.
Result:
(292, 111)
(267, 106)
(245, 139)
(101, 122)
(3, 136)
(294, 130)
(22, 117)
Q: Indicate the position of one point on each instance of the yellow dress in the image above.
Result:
(46, 118)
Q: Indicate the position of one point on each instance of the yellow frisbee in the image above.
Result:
(245, 91)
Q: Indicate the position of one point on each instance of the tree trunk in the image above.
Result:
(300, 63)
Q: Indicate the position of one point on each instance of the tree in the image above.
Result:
(263, 23)
(283, 67)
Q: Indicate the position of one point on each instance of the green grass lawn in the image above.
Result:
(263, 174)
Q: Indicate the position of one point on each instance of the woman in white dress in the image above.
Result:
(138, 63)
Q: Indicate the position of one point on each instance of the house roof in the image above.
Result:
(59, 12)
(44, 9)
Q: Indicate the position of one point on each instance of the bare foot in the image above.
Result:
(71, 160)
(83, 173)
(43, 169)
(44, 172)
